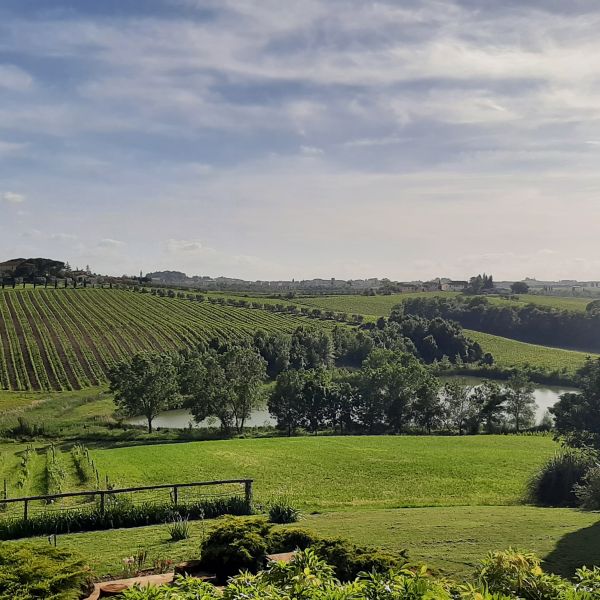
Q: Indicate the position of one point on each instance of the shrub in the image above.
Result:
(179, 528)
(520, 575)
(554, 483)
(588, 491)
(281, 511)
(287, 539)
(118, 514)
(588, 580)
(235, 545)
(28, 572)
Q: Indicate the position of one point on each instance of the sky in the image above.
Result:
(264, 139)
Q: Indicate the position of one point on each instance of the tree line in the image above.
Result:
(529, 323)
(384, 386)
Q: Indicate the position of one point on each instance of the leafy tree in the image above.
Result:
(488, 407)
(577, 415)
(145, 385)
(311, 349)
(519, 287)
(245, 371)
(286, 402)
(458, 407)
(520, 401)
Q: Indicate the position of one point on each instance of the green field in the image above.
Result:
(448, 540)
(67, 339)
(326, 473)
(512, 353)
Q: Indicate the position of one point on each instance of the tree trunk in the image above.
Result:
(149, 424)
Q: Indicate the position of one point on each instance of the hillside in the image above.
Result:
(67, 339)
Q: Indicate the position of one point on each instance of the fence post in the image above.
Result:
(175, 495)
(101, 503)
(248, 491)
(25, 509)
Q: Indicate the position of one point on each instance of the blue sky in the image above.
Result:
(267, 139)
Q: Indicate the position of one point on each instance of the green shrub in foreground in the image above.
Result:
(242, 544)
(282, 511)
(33, 572)
(502, 576)
(554, 484)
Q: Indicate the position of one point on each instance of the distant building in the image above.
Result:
(454, 286)
(7, 268)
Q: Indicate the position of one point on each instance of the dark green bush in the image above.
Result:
(117, 515)
(28, 573)
(588, 491)
(235, 545)
(554, 483)
(287, 539)
(281, 511)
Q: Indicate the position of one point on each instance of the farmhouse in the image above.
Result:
(7, 268)
(454, 286)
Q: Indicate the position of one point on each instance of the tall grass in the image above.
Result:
(554, 483)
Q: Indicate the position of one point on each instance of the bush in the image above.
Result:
(235, 545)
(287, 539)
(117, 514)
(554, 483)
(588, 491)
(179, 528)
(281, 511)
(31, 573)
(519, 575)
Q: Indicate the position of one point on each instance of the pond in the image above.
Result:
(545, 397)
(181, 419)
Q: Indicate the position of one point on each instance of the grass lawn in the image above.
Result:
(347, 473)
(509, 353)
(450, 540)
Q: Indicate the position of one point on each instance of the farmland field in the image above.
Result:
(67, 339)
(512, 353)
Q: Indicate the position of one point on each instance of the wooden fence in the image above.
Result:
(174, 489)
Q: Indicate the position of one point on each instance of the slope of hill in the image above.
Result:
(67, 339)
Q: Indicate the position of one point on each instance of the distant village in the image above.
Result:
(47, 272)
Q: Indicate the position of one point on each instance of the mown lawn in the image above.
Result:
(328, 473)
(449, 540)
(512, 353)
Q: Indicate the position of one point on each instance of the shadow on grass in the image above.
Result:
(574, 550)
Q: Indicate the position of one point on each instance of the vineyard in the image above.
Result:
(62, 339)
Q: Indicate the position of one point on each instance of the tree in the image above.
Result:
(225, 383)
(488, 407)
(577, 415)
(519, 287)
(286, 400)
(145, 385)
(245, 371)
(458, 408)
(520, 401)
(428, 409)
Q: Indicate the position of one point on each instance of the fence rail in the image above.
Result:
(102, 494)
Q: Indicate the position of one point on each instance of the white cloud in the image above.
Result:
(14, 79)
(109, 243)
(12, 197)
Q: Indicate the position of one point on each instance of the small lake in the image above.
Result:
(181, 419)
(545, 397)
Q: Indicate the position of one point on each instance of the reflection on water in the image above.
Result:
(545, 397)
(181, 419)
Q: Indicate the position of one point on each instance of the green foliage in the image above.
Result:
(235, 545)
(283, 511)
(588, 490)
(519, 575)
(554, 483)
(83, 463)
(503, 576)
(116, 515)
(179, 528)
(55, 471)
(145, 385)
(28, 573)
